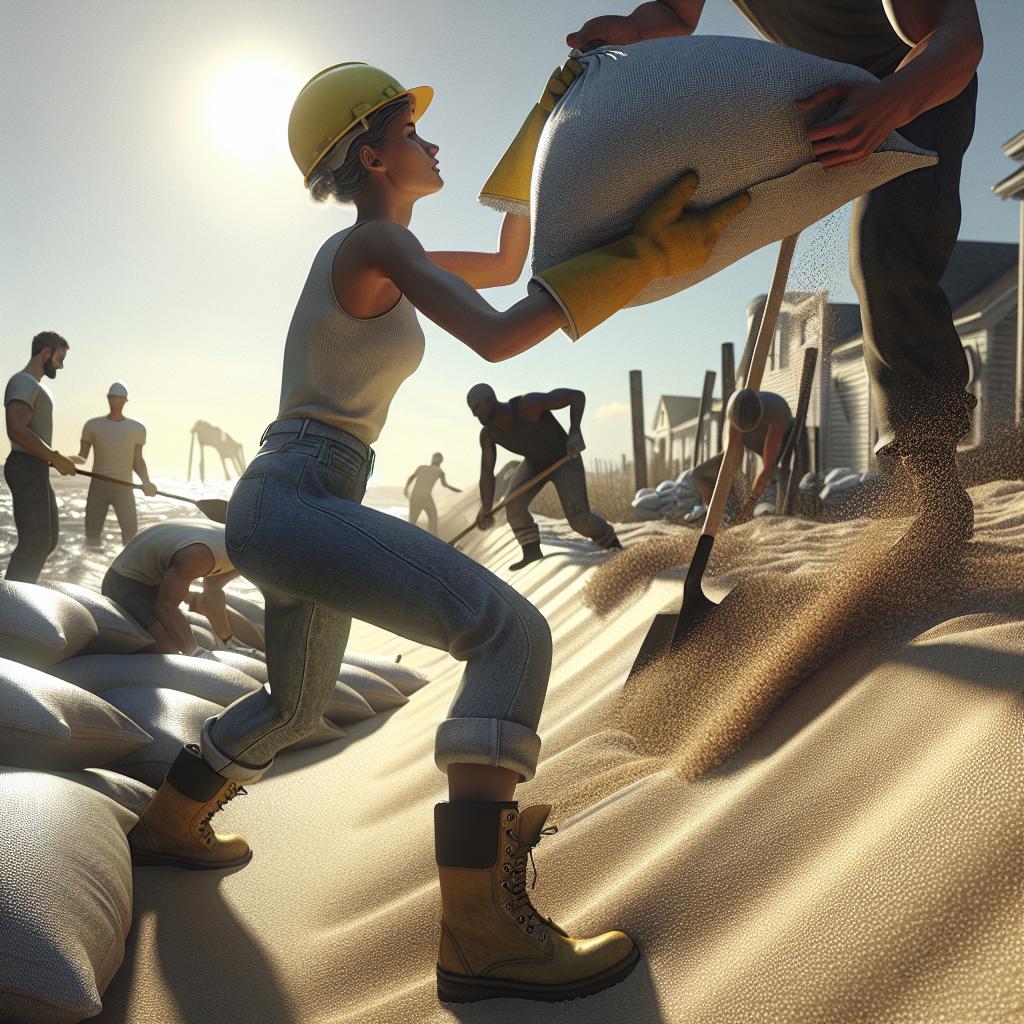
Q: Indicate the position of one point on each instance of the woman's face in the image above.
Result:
(410, 161)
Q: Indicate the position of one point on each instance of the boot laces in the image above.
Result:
(204, 829)
(516, 885)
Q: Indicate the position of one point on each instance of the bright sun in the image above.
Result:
(249, 104)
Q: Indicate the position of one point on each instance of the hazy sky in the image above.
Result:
(166, 234)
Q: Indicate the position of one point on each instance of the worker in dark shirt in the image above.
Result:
(524, 425)
(925, 53)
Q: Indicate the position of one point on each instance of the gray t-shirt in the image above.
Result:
(113, 443)
(23, 387)
(147, 556)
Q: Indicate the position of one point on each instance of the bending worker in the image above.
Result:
(422, 483)
(117, 442)
(29, 412)
(525, 425)
(150, 578)
(925, 55)
(765, 420)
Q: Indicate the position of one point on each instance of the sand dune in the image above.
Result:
(795, 826)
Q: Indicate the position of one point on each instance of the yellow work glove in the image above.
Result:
(62, 464)
(508, 187)
(667, 241)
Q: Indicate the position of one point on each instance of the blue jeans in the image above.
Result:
(296, 528)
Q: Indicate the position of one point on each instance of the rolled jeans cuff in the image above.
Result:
(496, 742)
(224, 765)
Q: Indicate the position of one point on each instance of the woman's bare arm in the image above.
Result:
(444, 297)
(491, 269)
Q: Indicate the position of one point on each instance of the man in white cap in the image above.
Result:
(118, 443)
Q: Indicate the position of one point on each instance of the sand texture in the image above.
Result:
(811, 814)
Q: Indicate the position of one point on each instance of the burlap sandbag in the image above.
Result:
(119, 633)
(641, 115)
(39, 626)
(65, 897)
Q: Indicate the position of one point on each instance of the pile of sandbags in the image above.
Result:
(671, 499)
(88, 729)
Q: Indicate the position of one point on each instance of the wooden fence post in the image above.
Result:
(636, 402)
(728, 387)
(705, 406)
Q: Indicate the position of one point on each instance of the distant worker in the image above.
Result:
(29, 412)
(765, 420)
(118, 443)
(426, 477)
(150, 579)
(525, 425)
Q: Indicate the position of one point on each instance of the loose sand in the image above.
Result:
(812, 813)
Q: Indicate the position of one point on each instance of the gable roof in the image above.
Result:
(679, 408)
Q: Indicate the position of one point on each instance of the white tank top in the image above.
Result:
(339, 369)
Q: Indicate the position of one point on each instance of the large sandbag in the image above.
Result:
(403, 678)
(40, 627)
(128, 792)
(202, 677)
(118, 633)
(173, 719)
(65, 897)
(50, 724)
(344, 706)
(642, 115)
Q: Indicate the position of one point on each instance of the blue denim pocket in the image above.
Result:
(342, 459)
(243, 511)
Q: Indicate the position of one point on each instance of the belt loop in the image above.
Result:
(265, 434)
(302, 430)
(373, 460)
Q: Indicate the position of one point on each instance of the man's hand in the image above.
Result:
(574, 443)
(62, 464)
(868, 113)
(484, 519)
(149, 488)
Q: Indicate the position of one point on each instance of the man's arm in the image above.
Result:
(444, 483)
(189, 564)
(19, 416)
(83, 451)
(531, 406)
(947, 47)
(491, 269)
(649, 21)
(488, 457)
(408, 483)
(139, 465)
(213, 605)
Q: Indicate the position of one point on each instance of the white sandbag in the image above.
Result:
(118, 632)
(50, 724)
(642, 115)
(344, 706)
(377, 692)
(65, 897)
(403, 678)
(644, 492)
(250, 608)
(39, 626)
(128, 792)
(665, 487)
(222, 684)
(173, 719)
(839, 473)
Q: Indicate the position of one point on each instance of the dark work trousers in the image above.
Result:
(35, 515)
(570, 481)
(901, 240)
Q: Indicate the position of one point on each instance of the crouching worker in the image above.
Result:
(150, 578)
(297, 528)
(525, 425)
(765, 421)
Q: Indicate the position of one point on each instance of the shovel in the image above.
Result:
(213, 508)
(668, 628)
(518, 492)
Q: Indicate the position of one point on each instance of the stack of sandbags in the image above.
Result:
(40, 627)
(838, 484)
(670, 499)
(642, 115)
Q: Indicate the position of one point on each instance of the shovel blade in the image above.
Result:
(214, 508)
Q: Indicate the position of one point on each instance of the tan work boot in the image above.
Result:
(174, 829)
(493, 941)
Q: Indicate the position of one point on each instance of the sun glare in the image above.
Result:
(249, 104)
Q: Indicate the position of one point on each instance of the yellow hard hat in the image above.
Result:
(337, 99)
